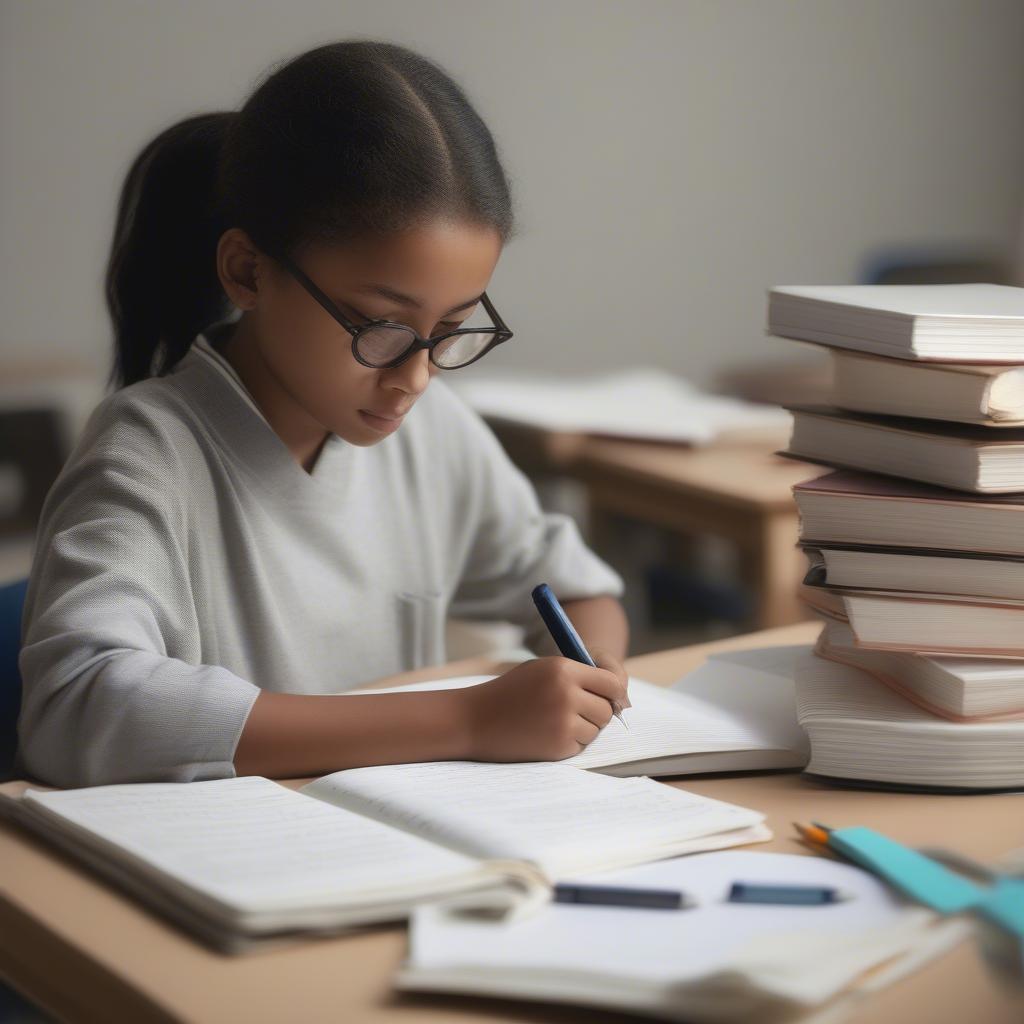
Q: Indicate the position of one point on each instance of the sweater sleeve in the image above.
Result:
(515, 544)
(112, 688)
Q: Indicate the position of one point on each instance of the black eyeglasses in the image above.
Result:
(382, 344)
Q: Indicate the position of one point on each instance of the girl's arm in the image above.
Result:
(601, 623)
(542, 710)
(290, 735)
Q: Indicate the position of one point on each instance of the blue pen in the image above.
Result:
(788, 895)
(564, 633)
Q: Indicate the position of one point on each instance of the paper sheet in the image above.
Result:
(642, 403)
(550, 814)
(804, 953)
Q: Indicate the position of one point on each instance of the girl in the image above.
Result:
(274, 506)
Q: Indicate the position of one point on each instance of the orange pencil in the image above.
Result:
(813, 834)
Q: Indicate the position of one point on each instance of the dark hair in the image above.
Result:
(349, 139)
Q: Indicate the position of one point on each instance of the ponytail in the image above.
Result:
(161, 283)
(348, 139)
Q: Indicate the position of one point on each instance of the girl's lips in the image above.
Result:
(384, 424)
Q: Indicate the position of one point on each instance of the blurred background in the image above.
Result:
(670, 161)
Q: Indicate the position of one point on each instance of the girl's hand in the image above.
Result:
(543, 710)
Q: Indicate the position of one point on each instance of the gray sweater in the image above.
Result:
(185, 560)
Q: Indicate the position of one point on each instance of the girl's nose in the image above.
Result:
(412, 376)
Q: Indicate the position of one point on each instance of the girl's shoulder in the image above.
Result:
(143, 425)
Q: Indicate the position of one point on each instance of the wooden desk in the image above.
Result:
(735, 489)
(89, 954)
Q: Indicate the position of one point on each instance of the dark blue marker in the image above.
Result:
(564, 633)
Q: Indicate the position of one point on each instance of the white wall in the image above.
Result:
(670, 159)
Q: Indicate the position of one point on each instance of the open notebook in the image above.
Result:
(737, 712)
(245, 862)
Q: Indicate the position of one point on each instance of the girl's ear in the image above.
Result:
(239, 267)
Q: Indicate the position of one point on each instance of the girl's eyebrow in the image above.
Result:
(408, 300)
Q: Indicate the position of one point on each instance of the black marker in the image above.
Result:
(615, 896)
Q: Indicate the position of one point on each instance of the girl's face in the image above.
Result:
(309, 377)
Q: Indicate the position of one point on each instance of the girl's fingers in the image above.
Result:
(609, 664)
(596, 710)
(604, 683)
(585, 731)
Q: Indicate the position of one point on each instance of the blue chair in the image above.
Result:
(12, 600)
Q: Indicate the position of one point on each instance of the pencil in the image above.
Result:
(814, 833)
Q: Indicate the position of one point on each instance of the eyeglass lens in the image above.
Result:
(380, 345)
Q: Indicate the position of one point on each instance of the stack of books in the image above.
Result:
(916, 538)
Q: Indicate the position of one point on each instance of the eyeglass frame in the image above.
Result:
(501, 331)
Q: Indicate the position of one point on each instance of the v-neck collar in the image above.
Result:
(249, 438)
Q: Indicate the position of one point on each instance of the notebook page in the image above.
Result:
(557, 816)
(755, 689)
(251, 843)
(662, 723)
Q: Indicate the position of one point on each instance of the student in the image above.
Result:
(274, 507)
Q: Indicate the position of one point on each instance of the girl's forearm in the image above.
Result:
(290, 735)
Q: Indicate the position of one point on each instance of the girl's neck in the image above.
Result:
(301, 434)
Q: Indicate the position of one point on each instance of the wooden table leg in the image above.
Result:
(776, 567)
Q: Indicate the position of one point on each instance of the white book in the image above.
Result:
(862, 732)
(957, 687)
(245, 862)
(964, 457)
(897, 620)
(717, 961)
(920, 571)
(858, 508)
(952, 322)
(964, 392)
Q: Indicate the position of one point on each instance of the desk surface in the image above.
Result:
(90, 954)
(747, 474)
(740, 469)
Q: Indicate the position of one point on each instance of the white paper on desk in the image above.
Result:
(756, 689)
(641, 403)
(716, 950)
